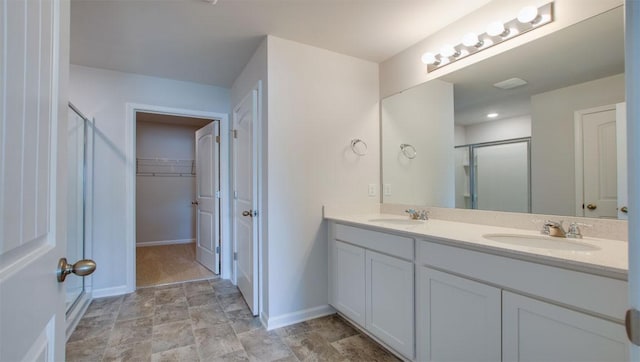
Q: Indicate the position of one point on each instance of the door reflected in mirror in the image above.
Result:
(548, 91)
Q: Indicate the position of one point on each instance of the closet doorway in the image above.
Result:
(177, 198)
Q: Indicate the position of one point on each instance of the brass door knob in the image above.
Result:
(592, 206)
(624, 209)
(80, 268)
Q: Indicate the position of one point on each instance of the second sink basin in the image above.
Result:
(397, 221)
(541, 241)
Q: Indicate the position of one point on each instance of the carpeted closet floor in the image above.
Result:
(157, 265)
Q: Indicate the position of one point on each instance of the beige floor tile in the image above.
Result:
(261, 345)
(311, 346)
(172, 335)
(131, 331)
(172, 294)
(171, 312)
(332, 327)
(89, 350)
(197, 287)
(361, 348)
(138, 352)
(180, 354)
(216, 341)
(93, 327)
(103, 306)
(207, 316)
(239, 356)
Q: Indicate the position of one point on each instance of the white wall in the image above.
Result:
(318, 102)
(103, 94)
(552, 140)
(163, 203)
(253, 73)
(423, 117)
(406, 70)
(504, 129)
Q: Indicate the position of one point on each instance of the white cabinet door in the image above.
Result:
(348, 281)
(458, 319)
(537, 331)
(390, 301)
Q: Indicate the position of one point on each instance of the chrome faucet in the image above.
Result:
(417, 214)
(554, 228)
(574, 230)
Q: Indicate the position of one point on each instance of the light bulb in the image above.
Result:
(430, 58)
(472, 40)
(449, 51)
(528, 14)
(497, 28)
(492, 115)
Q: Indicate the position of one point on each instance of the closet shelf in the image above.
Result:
(165, 167)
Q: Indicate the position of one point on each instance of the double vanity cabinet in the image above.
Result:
(431, 299)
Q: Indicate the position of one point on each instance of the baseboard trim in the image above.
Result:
(164, 242)
(110, 292)
(297, 317)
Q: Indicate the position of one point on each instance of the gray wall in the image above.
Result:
(552, 140)
(163, 203)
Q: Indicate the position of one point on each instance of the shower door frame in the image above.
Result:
(80, 305)
(472, 167)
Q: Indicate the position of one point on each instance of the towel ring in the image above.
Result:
(408, 150)
(358, 150)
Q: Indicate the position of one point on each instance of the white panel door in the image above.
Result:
(349, 281)
(457, 319)
(34, 45)
(600, 163)
(207, 202)
(537, 331)
(245, 198)
(390, 301)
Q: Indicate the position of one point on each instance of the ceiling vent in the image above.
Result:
(510, 83)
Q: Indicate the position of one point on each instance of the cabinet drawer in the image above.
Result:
(395, 245)
(588, 292)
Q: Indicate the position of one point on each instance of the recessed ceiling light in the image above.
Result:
(492, 115)
(510, 83)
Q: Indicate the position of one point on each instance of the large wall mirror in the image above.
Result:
(539, 128)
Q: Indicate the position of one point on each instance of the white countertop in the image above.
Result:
(610, 259)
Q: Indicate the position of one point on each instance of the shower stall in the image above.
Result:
(494, 175)
(78, 137)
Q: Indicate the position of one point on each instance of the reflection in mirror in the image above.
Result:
(563, 92)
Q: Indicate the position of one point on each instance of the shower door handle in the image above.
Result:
(80, 268)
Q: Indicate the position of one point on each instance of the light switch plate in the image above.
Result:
(372, 189)
(387, 189)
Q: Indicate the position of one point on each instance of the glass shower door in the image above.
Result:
(76, 140)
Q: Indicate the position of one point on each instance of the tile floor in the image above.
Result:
(207, 321)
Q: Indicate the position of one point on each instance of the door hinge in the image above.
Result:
(235, 133)
(217, 139)
(235, 255)
(218, 194)
(217, 249)
(632, 325)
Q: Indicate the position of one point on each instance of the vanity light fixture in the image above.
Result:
(472, 40)
(492, 115)
(529, 14)
(497, 29)
(449, 51)
(529, 18)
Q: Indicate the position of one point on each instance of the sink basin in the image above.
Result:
(397, 221)
(541, 241)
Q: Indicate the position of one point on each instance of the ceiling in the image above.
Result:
(193, 40)
(589, 50)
